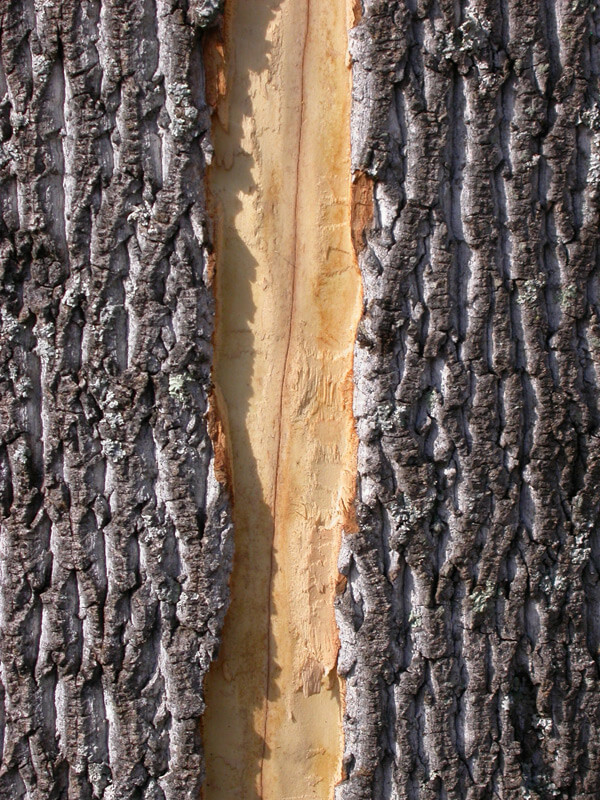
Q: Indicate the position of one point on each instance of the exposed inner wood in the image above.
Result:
(288, 304)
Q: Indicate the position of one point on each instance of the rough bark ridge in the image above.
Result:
(115, 534)
(470, 625)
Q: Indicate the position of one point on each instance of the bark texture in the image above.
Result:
(115, 534)
(471, 622)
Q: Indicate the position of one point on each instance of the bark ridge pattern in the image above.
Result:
(115, 533)
(470, 623)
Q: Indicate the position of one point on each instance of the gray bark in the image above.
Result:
(470, 625)
(114, 527)
(471, 622)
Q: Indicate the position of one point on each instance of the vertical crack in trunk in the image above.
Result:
(288, 297)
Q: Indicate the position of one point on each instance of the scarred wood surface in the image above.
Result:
(470, 624)
(288, 302)
(115, 535)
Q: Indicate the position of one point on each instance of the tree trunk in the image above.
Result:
(470, 619)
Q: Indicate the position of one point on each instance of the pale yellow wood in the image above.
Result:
(288, 305)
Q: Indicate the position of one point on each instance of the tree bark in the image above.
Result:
(115, 533)
(470, 623)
